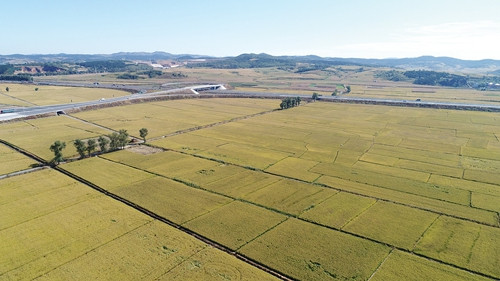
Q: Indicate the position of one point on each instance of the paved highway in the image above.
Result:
(343, 99)
(22, 112)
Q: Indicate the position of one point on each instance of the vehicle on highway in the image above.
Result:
(10, 110)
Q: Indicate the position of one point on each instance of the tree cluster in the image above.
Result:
(433, 78)
(19, 77)
(110, 142)
(426, 77)
(289, 102)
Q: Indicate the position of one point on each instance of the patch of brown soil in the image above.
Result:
(144, 149)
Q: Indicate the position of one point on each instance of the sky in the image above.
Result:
(465, 29)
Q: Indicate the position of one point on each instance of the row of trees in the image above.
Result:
(110, 142)
(289, 102)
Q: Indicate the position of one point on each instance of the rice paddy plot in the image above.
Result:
(474, 186)
(241, 184)
(449, 194)
(206, 176)
(295, 168)
(466, 212)
(235, 224)
(485, 201)
(393, 224)
(58, 229)
(37, 135)
(13, 161)
(403, 266)
(430, 168)
(491, 153)
(309, 252)
(189, 142)
(15, 188)
(392, 171)
(146, 253)
(143, 161)
(463, 243)
(37, 246)
(106, 174)
(423, 156)
(290, 196)
(245, 155)
(482, 176)
(211, 264)
(338, 210)
(172, 200)
(166, 117)
(47, 95)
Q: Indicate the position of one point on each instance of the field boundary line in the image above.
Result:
(183, 261)
(22, 172)
(425, 231)
(266, 231)
(380, 265)
(289, 215)
(19, 99)
(89, 122)
(196, 235)
(360, 213)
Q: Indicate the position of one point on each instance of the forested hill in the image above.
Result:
(421, 63)
(446, 64)
(72, 58)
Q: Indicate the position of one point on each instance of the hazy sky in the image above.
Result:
(466, 29)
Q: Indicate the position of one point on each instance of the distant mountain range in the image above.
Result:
(72, 58)
(265, 60)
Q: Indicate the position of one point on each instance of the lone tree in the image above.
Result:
(315, 96)
(57, 148)
(118, 140)
(113, 141)
(80, 147)
(6, 89)
(91, 146)
(143, 133)
(103, 143)
(122, 138)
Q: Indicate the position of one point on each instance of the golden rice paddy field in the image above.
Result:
(26, 95)
(318, 192)
(12, 161)
(54, 228)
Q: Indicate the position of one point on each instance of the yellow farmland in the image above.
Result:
(318, 192)
(161, 118)
(13, 161)
(38, 135)
(26, 95)
(58, 229)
